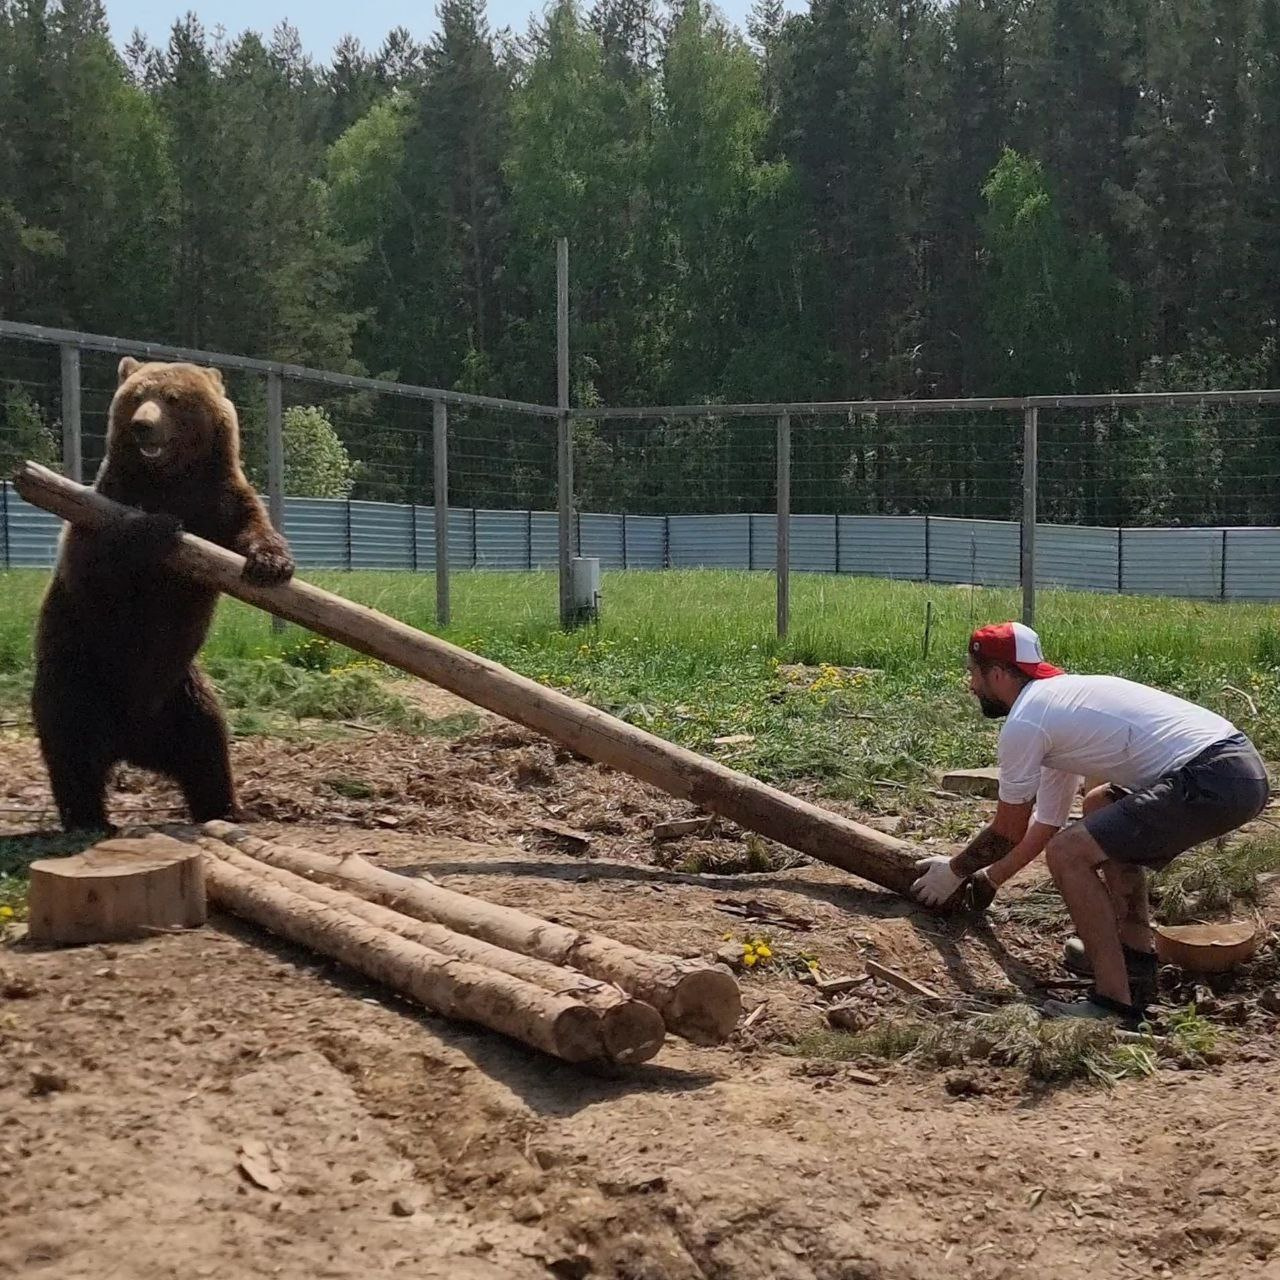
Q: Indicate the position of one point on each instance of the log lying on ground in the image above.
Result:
(116, 890)
(631, 1030)
(697, 1001)
(709, 785)
(558, 1025)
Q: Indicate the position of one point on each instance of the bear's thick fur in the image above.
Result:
(118, 634)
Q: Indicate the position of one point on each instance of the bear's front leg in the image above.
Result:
(267, 561)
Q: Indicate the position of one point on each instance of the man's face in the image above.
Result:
(993, 701)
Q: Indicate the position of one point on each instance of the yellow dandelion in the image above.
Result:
(763, 952)
(6, 913)
(749, 959)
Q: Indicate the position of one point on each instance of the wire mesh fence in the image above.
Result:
(1171, 495)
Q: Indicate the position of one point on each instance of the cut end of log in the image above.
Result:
(633, 1031)
(705, 1006)
(117, 890)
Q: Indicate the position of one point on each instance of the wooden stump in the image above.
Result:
(116, 890)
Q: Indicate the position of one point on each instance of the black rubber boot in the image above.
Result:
(1142, 968)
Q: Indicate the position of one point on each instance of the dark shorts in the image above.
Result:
(1217, 791)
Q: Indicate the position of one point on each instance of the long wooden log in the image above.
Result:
(698, 1001)
(632, 1030)
(558, 1025)
(827, 836)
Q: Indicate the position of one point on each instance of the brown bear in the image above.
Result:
(118, 634)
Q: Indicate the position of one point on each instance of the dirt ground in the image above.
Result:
(148, 1090)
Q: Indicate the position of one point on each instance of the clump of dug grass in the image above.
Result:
(1208, 881)
(1046, 1050)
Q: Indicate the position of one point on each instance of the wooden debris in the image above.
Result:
(559, 830)
(755, 1015)
(734, 740)
(901, 981)
(678, 827)
(984, 783)
(830, 987)
(764, 912)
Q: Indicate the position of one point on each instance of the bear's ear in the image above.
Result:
(215, 376)
(127, 368)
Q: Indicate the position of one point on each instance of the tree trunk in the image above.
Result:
(555, 1024)
(632, 1030)
(116, 890)
(697, 1001)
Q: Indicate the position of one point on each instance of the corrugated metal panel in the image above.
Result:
(1253, 564)
(718, 542)
(381, 535)
(813, 544)
(546, 540)
(981, 551)
(764, 542)
(5, 498)
(646, 538)
(425, 538)
(33, 535)
(1081, 559)
(502, 539)
(1172, 562)
(883, 546)
(462, 537)
(601, 535)
(317, 531)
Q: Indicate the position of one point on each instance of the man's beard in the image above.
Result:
(993, 708)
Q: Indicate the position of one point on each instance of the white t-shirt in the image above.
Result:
(1070, 727)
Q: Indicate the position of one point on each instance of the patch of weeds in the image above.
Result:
(311, 653)
(350, 788)
(1212, 879)
(755, 855)
(1047, 1050)
(1191, 1039)
(1038, 909)
(17, 853)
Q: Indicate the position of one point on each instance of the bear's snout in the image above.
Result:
(149, 429)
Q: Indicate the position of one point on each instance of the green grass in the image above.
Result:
(1046, 1050)
(691, 655)
(1211, 879)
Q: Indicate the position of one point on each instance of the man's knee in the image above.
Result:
(1097, 798)
(1072, 847)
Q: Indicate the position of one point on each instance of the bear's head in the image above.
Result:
(169, 419)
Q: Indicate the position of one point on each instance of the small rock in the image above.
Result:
(1270, 1000)
(13, 988)
(846, 1017)
(529, 1209)
(403, 1207)
(962, 1085)
(45, 1081)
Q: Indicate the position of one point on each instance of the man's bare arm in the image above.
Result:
(996, 841)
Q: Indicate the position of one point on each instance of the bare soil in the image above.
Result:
(149, 1090)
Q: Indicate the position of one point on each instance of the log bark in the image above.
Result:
(880, 858)
(116, 890)
(700, 1002)
(558, 1025)
(632, 1031)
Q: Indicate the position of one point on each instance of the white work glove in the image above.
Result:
(937, 882)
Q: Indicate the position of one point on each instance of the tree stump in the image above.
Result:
(116, 890)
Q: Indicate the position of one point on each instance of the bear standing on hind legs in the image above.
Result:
(118, 634)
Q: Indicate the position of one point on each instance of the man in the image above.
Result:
(1173, 775)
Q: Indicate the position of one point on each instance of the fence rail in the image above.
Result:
(326, 533)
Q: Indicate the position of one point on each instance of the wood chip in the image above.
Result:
(678, 827)
(901, 981)
(558, 829)
(861, 1077)
(734, 740)
(755, 1015)
(839, 986)
(258, 1165)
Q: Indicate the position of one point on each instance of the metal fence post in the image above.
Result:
(1030, 442)
(72, 456)
(564, 429)
(783, 565)
(440, 496)
(275, 462)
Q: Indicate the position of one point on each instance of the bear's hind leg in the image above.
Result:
(191, 745)
(76, 758)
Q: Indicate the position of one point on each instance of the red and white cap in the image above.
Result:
(1015, 644)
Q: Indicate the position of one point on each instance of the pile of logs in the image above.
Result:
(579, 996)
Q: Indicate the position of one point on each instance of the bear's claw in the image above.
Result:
(267, 568)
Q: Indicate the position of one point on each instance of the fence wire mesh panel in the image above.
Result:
(1177, 497)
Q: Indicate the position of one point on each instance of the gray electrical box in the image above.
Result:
(584, 588)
